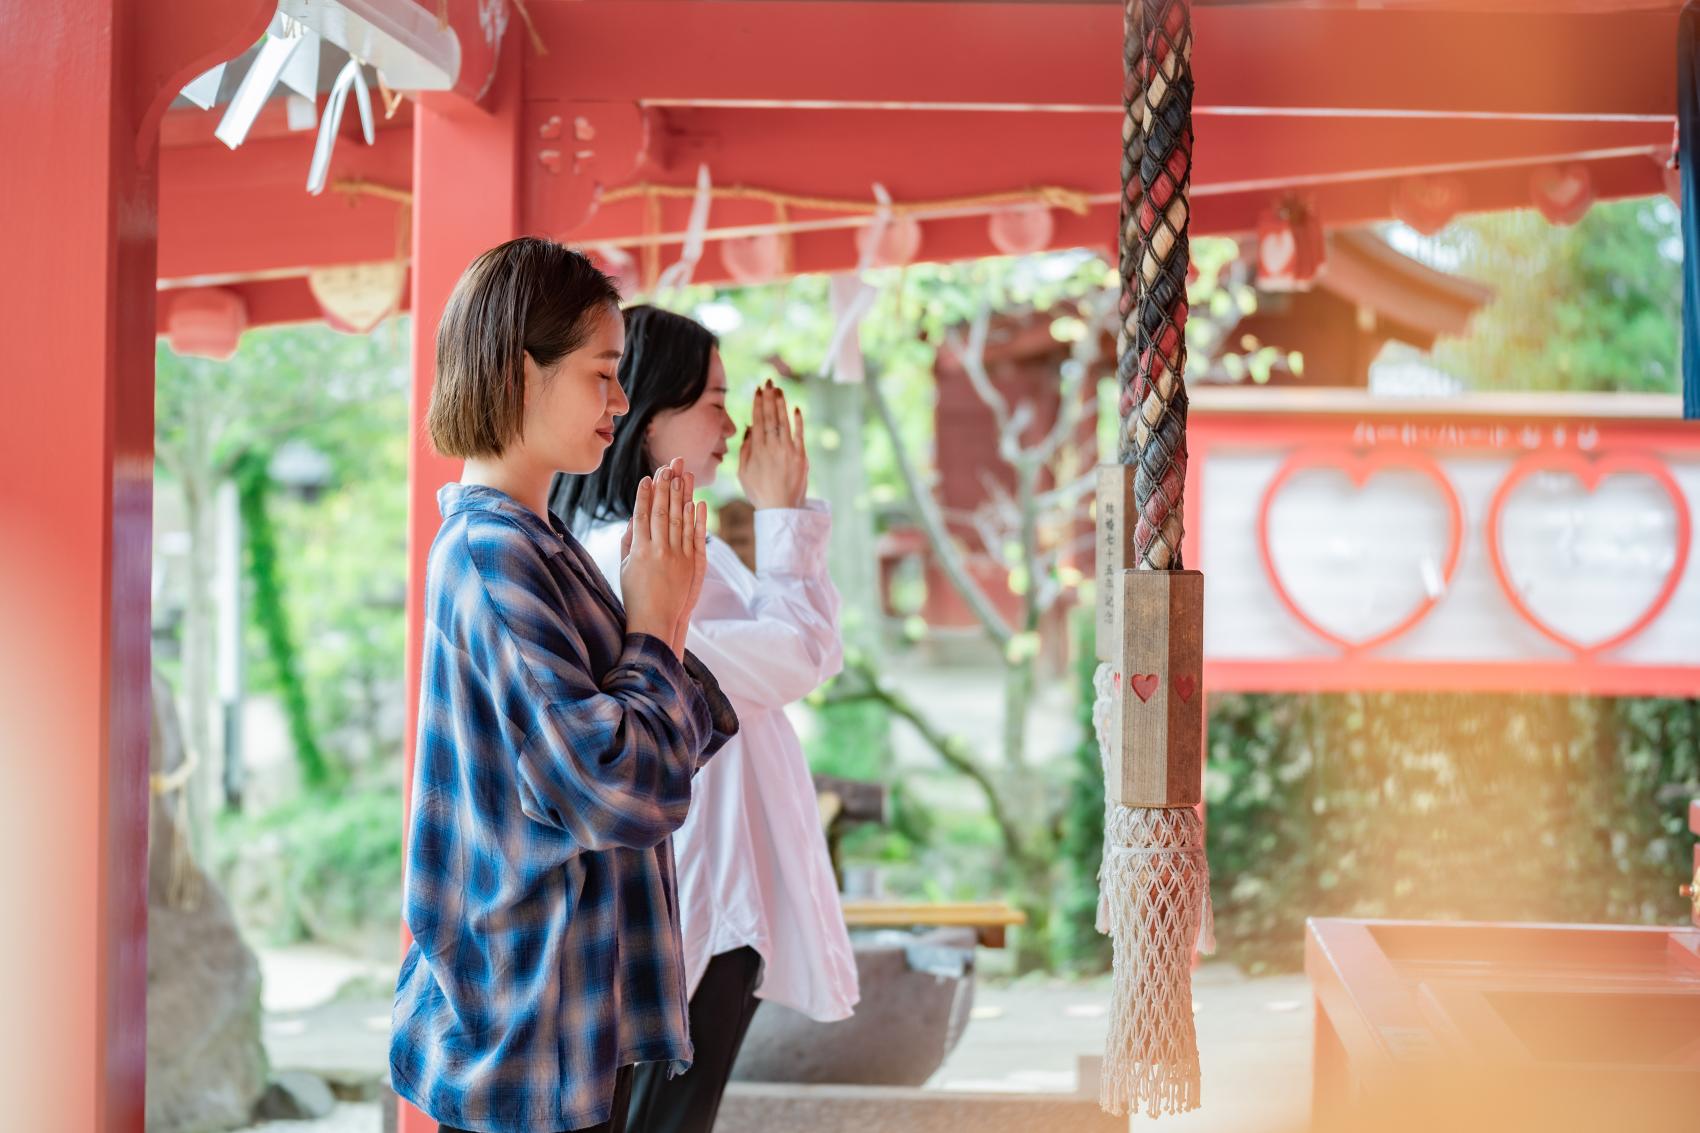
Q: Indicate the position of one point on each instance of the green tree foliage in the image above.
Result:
(271, 618)
(1446, 806)
(341, 552)
(1595, 306)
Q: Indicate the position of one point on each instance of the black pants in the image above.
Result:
(616, 1122)
(721, 1010)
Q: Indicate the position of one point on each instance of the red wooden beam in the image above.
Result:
(984, 53)
(233, 214)
(244, 214)
(267, 302)
(919, 154)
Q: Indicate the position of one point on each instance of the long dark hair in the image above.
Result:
(665, 367)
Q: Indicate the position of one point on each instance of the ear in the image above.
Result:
(533, 376)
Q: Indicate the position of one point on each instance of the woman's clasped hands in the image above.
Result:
(663, 556)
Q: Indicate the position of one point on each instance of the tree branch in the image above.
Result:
(1068, 495)
(932, 523)
(950, 749)
(973, 356)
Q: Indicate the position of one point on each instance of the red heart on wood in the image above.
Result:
(1185, 687)
(1144, 684)
(1360, 468)
(1590, 473)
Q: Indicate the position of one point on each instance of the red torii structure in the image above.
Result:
(111, 194)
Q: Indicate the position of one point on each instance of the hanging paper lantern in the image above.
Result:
(206, 322)
(754, 259)
(1562, 193)
(1428, 204)
(899, 242)
(1290, 247)
(356, 297)
(1022, 231)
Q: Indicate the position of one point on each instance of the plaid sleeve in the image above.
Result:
(607, 761)
(722, 718)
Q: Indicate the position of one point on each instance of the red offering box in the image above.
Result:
(1501, 1027)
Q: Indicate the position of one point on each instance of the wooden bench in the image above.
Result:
(988, 919)
(846, 802)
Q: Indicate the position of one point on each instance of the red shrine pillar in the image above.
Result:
(82, 90)
(466, 198)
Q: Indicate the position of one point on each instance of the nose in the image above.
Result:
(728, 427)
(619, 402)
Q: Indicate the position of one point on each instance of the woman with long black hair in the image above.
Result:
(758, 904)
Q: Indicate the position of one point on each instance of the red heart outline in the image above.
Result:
(1590, 473)
(1360, 468)
(1144, 684)
(1185, 687)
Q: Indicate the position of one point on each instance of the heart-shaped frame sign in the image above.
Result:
(1360, 468)
(1590, 473)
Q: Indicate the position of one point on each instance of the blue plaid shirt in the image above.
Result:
(554, 762)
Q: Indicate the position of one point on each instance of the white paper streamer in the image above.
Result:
(677, 276)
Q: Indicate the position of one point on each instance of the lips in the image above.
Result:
(606, 435)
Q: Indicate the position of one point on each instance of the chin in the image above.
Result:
(583, 463)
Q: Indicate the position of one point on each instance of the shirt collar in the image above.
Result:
(454, 498)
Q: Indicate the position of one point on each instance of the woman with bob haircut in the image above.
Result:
(559, 729)
(757, 898)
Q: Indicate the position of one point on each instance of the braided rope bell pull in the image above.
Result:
(1154, 400)
(1154, 880)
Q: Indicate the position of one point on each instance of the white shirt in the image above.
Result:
(752, 861)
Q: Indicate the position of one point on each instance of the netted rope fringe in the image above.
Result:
(1102, 703)
(1158, 881)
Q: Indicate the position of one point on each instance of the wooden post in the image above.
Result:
(1158, 718)
(1116, 516)
(1151, 634)
(82, 89)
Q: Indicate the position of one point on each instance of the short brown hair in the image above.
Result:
(527, 296)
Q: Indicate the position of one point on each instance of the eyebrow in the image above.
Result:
(612, 355)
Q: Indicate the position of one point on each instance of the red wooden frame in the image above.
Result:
(1547, 440)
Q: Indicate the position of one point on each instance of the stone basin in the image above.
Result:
(917, 990)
